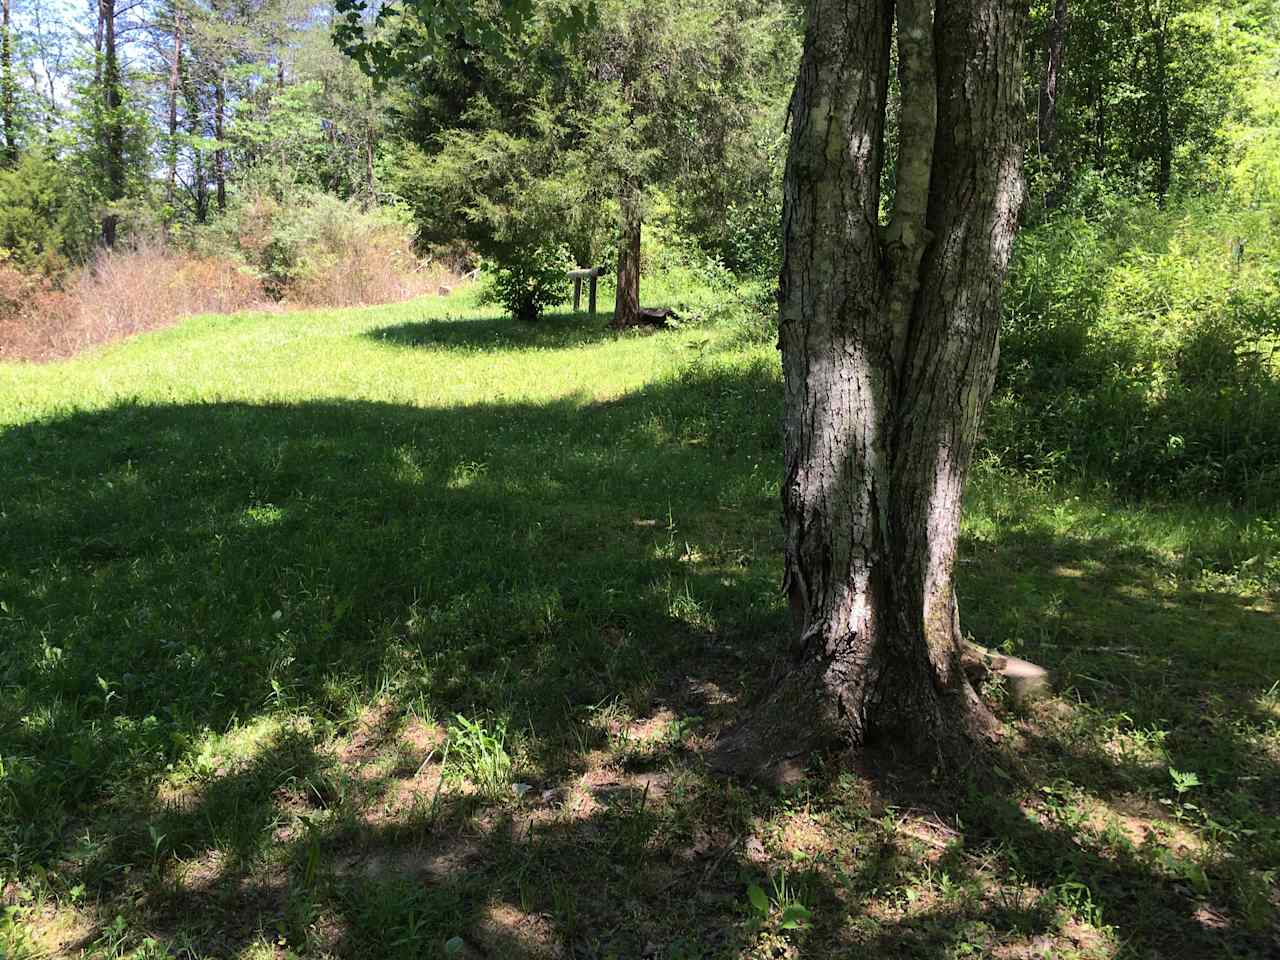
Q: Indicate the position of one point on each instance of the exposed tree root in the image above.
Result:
(772, 744)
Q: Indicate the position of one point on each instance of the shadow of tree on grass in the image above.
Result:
(172, 573)
(554, 331)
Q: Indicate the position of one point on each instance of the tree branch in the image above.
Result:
(906, 236)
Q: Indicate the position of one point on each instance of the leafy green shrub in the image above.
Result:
(46, 218)
(525, 280)
(1138, 352)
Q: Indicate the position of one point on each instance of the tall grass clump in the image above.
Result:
(319, 250)
(120, 292)
(1139, 351)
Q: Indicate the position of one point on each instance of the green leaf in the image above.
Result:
(759, 900)
(453, 946)
(794, 916)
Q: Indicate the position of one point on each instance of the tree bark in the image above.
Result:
(1055, 55)
(370, 138)
(220, 152)
(889, 341)
(1164, 133)
(195, 128)
(626, 311)
(47, 62)
(6, 80)
(175, 73)
(113, 126)
(97, 44)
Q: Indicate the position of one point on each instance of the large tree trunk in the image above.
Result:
(1055, 54)
(888, 339)
(626, 311)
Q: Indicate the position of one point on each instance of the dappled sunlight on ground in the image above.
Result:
(291, 669)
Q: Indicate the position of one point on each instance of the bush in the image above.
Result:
(320, 250)
(128, 290)
(46, 220)
(1138, 351)
(121, 292)
(35, 316)
(527, 279)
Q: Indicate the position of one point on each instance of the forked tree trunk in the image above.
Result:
(626, 311)
(888, 339)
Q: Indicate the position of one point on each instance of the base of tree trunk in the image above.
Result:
(798, 718)
(773, 743)
(655, 317)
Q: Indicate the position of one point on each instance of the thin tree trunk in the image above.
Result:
(97, 45)
(1055, 54)
(113, 132)
(175, 72)
(6, 95)
(371, 187)
(199, 185)
(1164, 140)
(888, 345)
(1100, 129)
(219, 153)
(42, 47)
(626, 311)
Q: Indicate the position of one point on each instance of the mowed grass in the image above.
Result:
(401, 632)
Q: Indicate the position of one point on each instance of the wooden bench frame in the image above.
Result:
(577, 276)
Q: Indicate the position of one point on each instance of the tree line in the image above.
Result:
(543, 146)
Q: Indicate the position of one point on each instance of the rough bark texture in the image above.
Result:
(889, 340)
(626, 311)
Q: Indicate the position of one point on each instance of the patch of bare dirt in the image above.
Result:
(505, 931)
(434, 864)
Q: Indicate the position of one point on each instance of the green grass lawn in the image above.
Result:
(401, 632)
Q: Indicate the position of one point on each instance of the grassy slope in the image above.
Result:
(252, 567)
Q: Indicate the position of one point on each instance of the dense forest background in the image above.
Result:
(162, 158)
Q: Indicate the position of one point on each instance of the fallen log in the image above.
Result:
(655, 317)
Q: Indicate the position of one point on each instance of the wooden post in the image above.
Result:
(592, 275)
